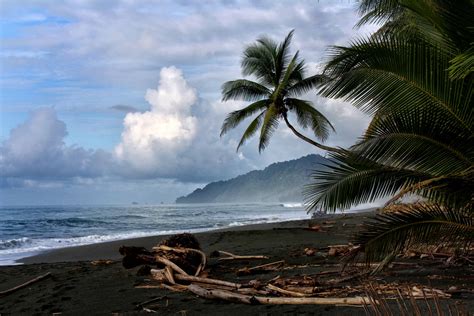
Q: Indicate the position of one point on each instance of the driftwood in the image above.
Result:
(261, 268)
(169, 263)
(286, 292)
(201, 266)
(159, 275)
(231, 256)
(182, 250)
(221, 294)
(247, 299)
(169, 275)
(18, 287)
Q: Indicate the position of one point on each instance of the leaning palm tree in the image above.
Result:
(414, 76)
(280, 79)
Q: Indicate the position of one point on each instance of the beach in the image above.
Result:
(80, 284)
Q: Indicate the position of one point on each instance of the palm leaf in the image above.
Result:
(251, 129)
(282, 56)
(351, 180)
(381, 77)
(269, 125)
(259, 61)
(236, 117)
(308, 116)
(410, 224)
(243, 89)
(305, 85)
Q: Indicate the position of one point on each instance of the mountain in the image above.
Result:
(279, 182)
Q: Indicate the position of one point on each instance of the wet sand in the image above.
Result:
(79, 287)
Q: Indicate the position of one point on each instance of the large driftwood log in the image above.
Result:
(201, 266)
(182, 252)
(221, 294)
(247, 299)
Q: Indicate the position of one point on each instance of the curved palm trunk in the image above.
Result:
(309, 140)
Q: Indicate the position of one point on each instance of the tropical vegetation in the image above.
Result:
(414, 76)
(279, 80)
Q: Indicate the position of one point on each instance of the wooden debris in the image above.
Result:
(169, 263)
(286, 292)
(158, 275)
(23, 285)
(261, 268)
(168, 272)
(231, 256)
(201, 266)
(246, 299)
(338, 250)
(175, 288)
(221, 294)
(182, 252)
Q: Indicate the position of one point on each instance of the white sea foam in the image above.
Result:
(292, 205)
(44, 229)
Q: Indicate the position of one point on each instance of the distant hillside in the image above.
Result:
(279, 182)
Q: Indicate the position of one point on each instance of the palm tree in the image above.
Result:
(280, 79)
(414, 76)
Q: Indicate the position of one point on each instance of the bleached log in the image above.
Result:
(357, 300)
(168, 271)
(158, 275)
(220, 294)
(167, 262)
(247, 299)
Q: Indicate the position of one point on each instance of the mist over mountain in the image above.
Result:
(279, 182)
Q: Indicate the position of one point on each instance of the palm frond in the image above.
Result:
(236, 117)
(243, 89)
(308, 116)
(454, 191)
(351, 180)
(305, 85)
(408, 150)
(380, 76)
(462, 65)
(251, 130)
(409, 224)
(269, 125)
(258, 60)
(282, 56)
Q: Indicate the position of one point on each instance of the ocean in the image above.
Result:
(29, 230)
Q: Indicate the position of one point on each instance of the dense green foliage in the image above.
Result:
(279, 182)
(280, 79)
(415, 77)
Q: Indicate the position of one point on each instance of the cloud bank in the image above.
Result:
(174, 139)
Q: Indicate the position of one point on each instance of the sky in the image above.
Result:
(109, 102)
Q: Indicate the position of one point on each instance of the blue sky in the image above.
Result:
(85, 88)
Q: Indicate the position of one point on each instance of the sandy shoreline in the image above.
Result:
(78, 286)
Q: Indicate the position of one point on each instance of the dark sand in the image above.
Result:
(78, 287)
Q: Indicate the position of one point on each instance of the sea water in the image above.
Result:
(29, 230)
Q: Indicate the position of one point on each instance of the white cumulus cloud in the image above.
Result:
(151, 140)
(35, 149)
